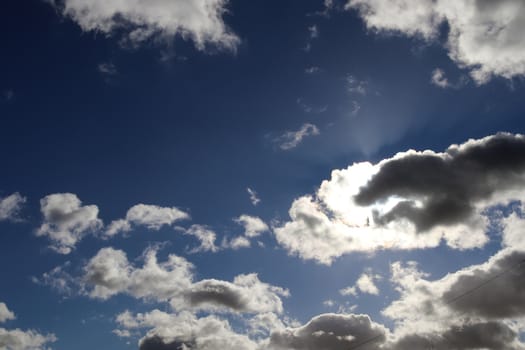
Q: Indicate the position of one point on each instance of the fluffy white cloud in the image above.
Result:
(484, 36)
(413, 200)
(110, 273)
(5, 313)
(197, 20)
(10, 206)
(16, 339)
(151, 216)
(253, 226)
(292, 139)
(67, 221)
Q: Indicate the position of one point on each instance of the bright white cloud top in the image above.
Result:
(413, 200)
(484, 37)
(197, 20)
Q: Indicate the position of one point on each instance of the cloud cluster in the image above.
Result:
(67, 221)
(153, 217)
(110, 273)
(413, 200)
(200, 21)
(16, 339)
(10, 206)
(483, 36)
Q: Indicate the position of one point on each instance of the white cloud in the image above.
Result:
(366, 283)
(314, 31)
(292, 139)
(413, 200)
(151, 216)
(484, 37)
(253, 225)
(10, 206)
(200, 21)
(205, 235)
(439, 78)
(237, 243)
(312, 70)
(5, 313)
(110, 273)
(347, 291)
(16, 339)
(254, 198)
(356, 86)
(66, 221)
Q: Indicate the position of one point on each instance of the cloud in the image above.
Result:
(366, 283)
(311, 109)
(66, 221)
(151, 216)
(439, 78)
(16, 339)
(5, 313)
(314, 31)
(355, 86)
(200, 21)
(205, 235)
(292, 139)
(332, 331)
(107, 68)
(253, 225)
(484, 37)
(253, 196)
(10, 206)
(312, 70)
(110, 273)
(185, 331)
(413, 200)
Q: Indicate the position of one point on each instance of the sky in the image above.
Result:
(262, 175)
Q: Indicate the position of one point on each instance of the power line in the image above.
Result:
(453, 300)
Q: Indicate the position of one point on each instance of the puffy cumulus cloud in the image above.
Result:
(5, 313)
(365, 284)
(253, 226)
(413, 200)
(151, 216)
(184, 331)
(10, 206)
(67, 221)
(483, 36)
(246, 294)
(110, 273)
(332, 331)
(200, 21)
(16, 339)
(292, 139)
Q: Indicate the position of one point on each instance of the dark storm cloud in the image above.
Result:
(487, 335)
(217, 293)
(503, 297)
(331, 331)
(447, 185)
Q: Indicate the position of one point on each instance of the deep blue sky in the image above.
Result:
(175, 126)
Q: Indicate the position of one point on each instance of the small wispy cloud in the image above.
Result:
(439, 79)
(356, 86)
(254, 198)
(107, 68)
(292, 139)
(312, 70)
(307, 108)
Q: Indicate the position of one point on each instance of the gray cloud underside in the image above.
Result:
(447, 186)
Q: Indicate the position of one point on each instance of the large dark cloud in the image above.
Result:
(443, 188)
(332, 332)
(486, 335)
(495, 291)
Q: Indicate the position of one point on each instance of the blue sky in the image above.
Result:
(198, 174)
